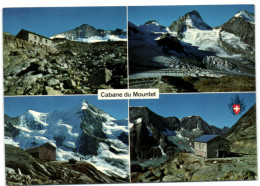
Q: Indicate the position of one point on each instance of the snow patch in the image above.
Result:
(139, 120)
(246, 15)
(10, 141)
(206, 40)
(233, 40)
(95, 39)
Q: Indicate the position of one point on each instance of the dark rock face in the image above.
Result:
(242, 135)
(149, 135)
(69, 68)
(241, 28)
(180, 25)
(10, 130)
(168, 42)
(193, 122)
(146, 136)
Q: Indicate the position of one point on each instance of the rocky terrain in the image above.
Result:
(242, 135)
(186, 167)
(189, 55)
(84, 133)
(69, 68)
(153, 136)
(180, 167)
(22, 169)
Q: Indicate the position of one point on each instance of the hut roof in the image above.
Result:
(23, 30)
(205, 138)
(45, 144)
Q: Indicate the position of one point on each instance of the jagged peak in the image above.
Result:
(246, 15)
(85, 25)
(152, 22)
(194, 12)
(191, 20)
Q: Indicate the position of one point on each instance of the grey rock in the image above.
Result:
(102, 76)
(51, 91)
(53, 82)
(69, 84)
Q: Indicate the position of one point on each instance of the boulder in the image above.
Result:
(51, 91)
(102, 76)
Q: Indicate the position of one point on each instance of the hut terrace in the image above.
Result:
(34, 38)
(211, 146)
(46, 152)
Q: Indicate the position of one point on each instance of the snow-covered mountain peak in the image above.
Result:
(35, 116)
(89, 34)
(194, 20)
(246, 15)
(84, 105)
(191, 20)
(81, 131)
(152, 26)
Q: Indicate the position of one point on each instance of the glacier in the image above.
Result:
(64, 130)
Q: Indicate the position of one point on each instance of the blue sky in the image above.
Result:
(213, 108)
(16, 106)
(213, 15)
(50, 21)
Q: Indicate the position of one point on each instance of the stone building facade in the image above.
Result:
(46, 152)
(34, 38)
(211, 146)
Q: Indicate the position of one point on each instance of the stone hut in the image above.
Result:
(34, 38)
(211, 146)
(46, 152)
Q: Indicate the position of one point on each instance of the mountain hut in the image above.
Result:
(46, 152)
(211, 146)
(34, 38)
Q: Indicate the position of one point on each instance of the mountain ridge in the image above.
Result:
(152, 135)
(88, 33)
(84, 131)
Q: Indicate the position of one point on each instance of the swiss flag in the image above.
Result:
(236, 108)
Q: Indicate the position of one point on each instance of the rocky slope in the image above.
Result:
(190, 20)
(242, 135)
(191, 49)
(22, 169)
(180, 167)
(186, 167)
(152, 136)
(69, 68)
(82, 132)
(242, 25)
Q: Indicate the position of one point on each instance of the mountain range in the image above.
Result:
(153, 136)
(189, 47)
(90, 34)
(82, 132)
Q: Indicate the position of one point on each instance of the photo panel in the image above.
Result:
(54, 140)
(187, 112)
(64, 50)
(193, 48)
(193, 137)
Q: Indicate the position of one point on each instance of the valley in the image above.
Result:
(162, 149)
(190, 49)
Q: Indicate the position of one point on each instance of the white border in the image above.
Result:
(74, 3)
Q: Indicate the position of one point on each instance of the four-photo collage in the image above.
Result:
(201, 59)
